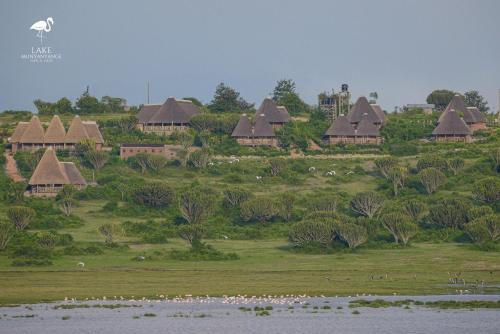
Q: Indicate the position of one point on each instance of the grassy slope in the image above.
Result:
(263, 268)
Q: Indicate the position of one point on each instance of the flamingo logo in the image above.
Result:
(42, 26)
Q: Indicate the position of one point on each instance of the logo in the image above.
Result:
(42, 53)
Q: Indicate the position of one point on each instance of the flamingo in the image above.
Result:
(42, 26)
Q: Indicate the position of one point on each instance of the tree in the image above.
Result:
(112, 104)
(487, 190)
(6, 233)
(183, 156)
(474, 99)
(87, 104)
(200, 158)
(367, 203)
(294, 104)
(195, 205)
(450, 213)
(226, 99)
(97, 159)
(127, 124)
(440, 98)
(15, 191)
(399, 225)
(476, 212)
(122, 187)
(432, 161)
(431, 178)
(414, 208)
(83, 147)
(456, 165)
(494, 156)
(476, 232)
(20, 216)
(385, 165)
(142, 161)
(276, 166)
(283, 87)
(311, 231)
(286, 203)
(491, 224)
(354, 235)
(46, 240)
(63, 106)
(259, 209)
(156, 162)
(195, 101)
(186, 139)
(235, 196)
(154, 195)
(326, 203)
(191, 232)
(397, 175)
(109, 231)
(66, 199)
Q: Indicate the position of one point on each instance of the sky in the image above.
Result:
(402, 49)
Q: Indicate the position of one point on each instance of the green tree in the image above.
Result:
(487, 190)
(259, 209)
(283, 87)
(156, 162)
(235, 196)
(385, 165)
(399, 225)
(110, 231)
(154, 195)
(63, 106)
(311, 231)
(286, 203)
(195, 205)
(456, 165)
(66, 199)
(276, 165)
(294, 104)
(494, 157)
(6, 233)
(46, 240)
(474, 99)
(367, 203)
(450, 213)
(97, 159)
(87, 104)
(354, 235)
(20, 216)
(227, 99)
(200, 158)
(431, 179)
(397, 175)
(414, 208)
(440, 98)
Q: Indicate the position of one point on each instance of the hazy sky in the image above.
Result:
(403, 49)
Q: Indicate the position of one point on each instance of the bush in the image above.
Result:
(367, 203)
(154, 195)
(258, 209)
(486, 228)
(432, 162)
(354, 235)
(431, 178)
(449, 213)
(20, 216)
(487, 190)
(78, 251)
(414, 208)
(235, 196)
(478, 212)
(310, 231)
(31, 263)
(202, 252)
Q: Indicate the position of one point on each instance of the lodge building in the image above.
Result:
(164, 119)
(31, 135)
(258, 133)
(51, 175)
(131, 150)
(474, 119)
(275, 115)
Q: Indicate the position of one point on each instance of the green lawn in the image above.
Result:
(264, 267)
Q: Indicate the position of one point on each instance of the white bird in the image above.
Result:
(312, 169)
(81, 264)
(42, 26)
(258, 177)
(350, 172)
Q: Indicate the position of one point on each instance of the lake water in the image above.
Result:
(222, 315)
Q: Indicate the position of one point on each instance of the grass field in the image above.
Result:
(264, 267)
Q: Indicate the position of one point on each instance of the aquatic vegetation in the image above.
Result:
(149, 314)
(66, 317)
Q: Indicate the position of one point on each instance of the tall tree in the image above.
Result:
(87, 104)
(227, 99)
(440, 98)
(283, 87)
(474, 99)
(66, 199)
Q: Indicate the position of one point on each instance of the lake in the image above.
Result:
(237, 315)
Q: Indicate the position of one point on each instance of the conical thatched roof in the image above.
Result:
(367, 128)
(93, 132)
(451, 124)
(174, 111)
(272, 112)
(474, 116)
(73, 174)
(262, 127)
(243, 128)
(76, 132)
(55, 132)
(49, 170)
(457, 103)
(18, 132)
(380, 113)
(147, 111)
(359, 109)
(340, 127)
(33, 133)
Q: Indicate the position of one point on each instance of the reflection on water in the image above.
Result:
(248, 315)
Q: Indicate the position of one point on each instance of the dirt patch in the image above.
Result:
(11, 168)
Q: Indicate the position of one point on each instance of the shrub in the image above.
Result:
(486, 228)
(6, 233)
(400, 226)
(478, 212)
(200, 158)
(259, 209)
(385, 165)
(456, 165)
(78, 251)
(156, 162)
(66, 199)
(354, 235)
(487, 190)
(431, 178)
(31, 263)
(109, 231)
(276, 165)
(191, 232)
(397, 175)
(235, 196)
(432, 162)
(195, 205)
(494, 157)
(367, 203)
(450, 213)
(286, 203)
(310, 231)
(202, 252)
(46, 240)
(154, 195)
(414, 208)
(326, 203)
(20, 216)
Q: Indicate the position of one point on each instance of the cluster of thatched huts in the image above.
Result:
(361, 125)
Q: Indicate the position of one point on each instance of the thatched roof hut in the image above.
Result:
(55, 132)
(262, 127)
(272, 112)
(340, 128)
(451, 125)
(380, 113)
(359, 109)
(50, 171)
(243, 128)
(33, 132)
(173, 111)
(366, 128)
